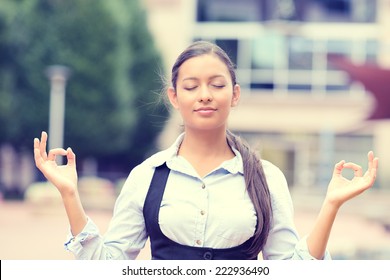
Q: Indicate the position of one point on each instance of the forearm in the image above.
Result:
(317, 240)
(75, 211)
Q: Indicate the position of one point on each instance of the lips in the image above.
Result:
(205, 109)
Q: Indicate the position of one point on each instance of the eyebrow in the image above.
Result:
(211, 78)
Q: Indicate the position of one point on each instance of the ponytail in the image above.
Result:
(258, 191)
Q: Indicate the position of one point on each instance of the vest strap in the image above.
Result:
(164, 248)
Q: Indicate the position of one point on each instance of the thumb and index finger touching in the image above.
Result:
(358, 172)
(40, 154)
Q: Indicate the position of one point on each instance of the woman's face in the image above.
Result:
(204, 93)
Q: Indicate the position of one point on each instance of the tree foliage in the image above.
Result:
(112, 112)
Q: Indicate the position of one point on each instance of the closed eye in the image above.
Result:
(190, 88)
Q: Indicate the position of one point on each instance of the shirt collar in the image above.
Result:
(234, 165)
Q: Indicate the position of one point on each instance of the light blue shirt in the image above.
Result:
(213, 211)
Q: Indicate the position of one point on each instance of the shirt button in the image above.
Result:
(203, 186)
(199, 242)
(202, 212)
(208, 255)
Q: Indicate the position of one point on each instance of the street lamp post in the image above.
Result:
(58, 76)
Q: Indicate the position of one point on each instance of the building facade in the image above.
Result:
(297, 109)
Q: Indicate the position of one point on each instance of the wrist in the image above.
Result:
(331, 205)
(69, 194)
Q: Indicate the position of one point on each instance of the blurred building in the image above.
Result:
(302, 112)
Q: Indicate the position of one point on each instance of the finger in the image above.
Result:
(37, 153)
(357, 169)
(71, 157)
(372, 163)
(338, 168)
(375, 163)
(54, 152)
(373, 170)
(370, 157)
(36, 143)
(36, 148)
(43, 145)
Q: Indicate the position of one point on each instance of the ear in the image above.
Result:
(172, 95)
(236, 95)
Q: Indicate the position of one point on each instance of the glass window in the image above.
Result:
(268, 51)
(300, 87)
(301, 10)
(284, 9)
(372, 50)
(300, 52)
(298, 10)
(338, 10)
(229, 10)
(230, 47)
(338, 47)
(262, 86)
(337, 88)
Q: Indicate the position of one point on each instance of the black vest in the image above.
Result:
(164, 248)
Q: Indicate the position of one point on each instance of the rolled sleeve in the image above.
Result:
(78, 244)
(126, 234)
(302, 251)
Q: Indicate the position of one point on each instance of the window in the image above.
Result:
(372, 50)
(295, 10)
(338, 10)
(338, 47)
(300, 53)
(229, 10)
(230, 47)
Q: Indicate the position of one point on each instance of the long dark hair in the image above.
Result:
(255, 180)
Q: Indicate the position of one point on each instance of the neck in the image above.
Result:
(205, 144)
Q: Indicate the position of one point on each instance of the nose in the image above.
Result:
(205, 94)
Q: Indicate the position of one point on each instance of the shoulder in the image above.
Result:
(141, 175)
(138, 181)
(148, 166)
(272, 172)
(135, 188)
(144, 171)
(277, 183)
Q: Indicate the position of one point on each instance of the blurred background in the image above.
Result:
(315, 78)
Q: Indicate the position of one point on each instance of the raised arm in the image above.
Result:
(64, 178)
(339, 191)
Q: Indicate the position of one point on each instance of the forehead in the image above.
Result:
(206, 64)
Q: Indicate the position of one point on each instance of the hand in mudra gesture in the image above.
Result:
(341, 189)
(64, 177)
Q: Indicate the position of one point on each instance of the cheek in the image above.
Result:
(184, 105)
(226, 100)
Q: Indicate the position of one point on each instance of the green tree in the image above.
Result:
(112, 113)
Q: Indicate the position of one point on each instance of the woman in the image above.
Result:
(210, 196)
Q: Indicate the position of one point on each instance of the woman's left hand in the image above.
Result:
(341, 189)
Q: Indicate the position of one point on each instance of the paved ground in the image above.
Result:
(37, 231)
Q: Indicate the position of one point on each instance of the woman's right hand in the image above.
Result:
(64, 177)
